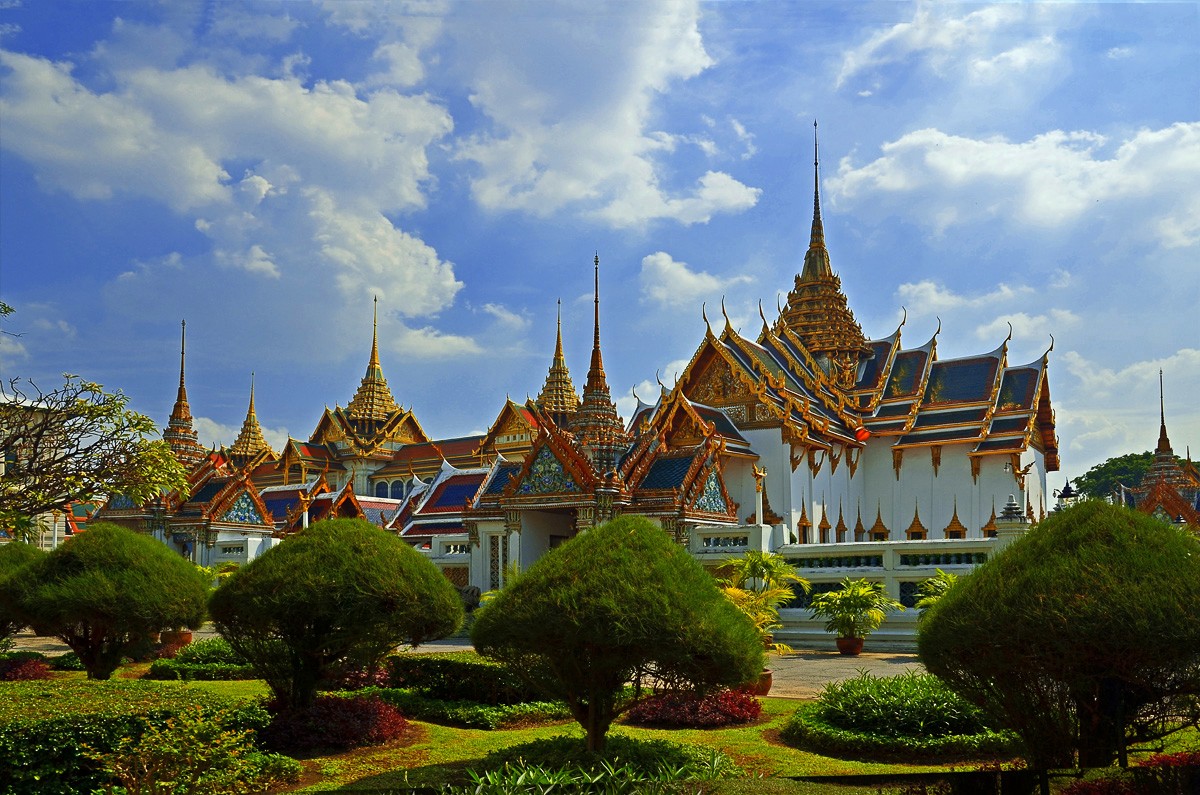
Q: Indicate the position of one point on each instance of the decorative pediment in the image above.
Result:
(718, 385)
(243, 511)
(546, 475)
(712, 497)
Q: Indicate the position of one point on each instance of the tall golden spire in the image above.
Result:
(817, 310)
(596, 425)
(558, 397)
(373, 401)
(250, 441)
(180, 434)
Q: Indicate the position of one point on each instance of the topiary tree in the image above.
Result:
(105, 589)
(339, 591)
(612, 603)
(13, 556)
(1083, 636)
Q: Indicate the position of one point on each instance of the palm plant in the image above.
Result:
(759, 584)
(854, 611)
(933, 589)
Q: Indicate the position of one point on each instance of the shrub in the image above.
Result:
(44, 726)
(172, 669)
(332, 723)
(66, 662)
(209, 650)
(13, 556)
(341, 590)
(105, 589)
(470, 714)
(23, 669)
(653, 759)
(1082, 636)
(620, 599)
(459, 676)
(719, 708)
(194, 753)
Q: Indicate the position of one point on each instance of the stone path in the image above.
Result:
(800, 674)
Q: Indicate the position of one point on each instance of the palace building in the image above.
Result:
(849, 455)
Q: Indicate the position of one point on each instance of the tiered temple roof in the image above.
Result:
(179, 433)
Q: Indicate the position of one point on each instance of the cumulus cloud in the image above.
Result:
(668, 282)
(935, 34)
(1052, 179)
(1027, 327)
(571, 105)
(933, 297)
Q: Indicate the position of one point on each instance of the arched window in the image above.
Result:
(381, 489)
(397, 490)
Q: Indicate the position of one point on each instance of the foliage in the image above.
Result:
(332, 723)
(104, 590)
(660, 760)
(1160, 774)
(715, 708)
(67, 662)
(75, 443)
(209, 650)
(909, 705)
(459, 676)
(1082, 636)
(1105, 479)
(611, 605)
(18, 668)
(194, 753)
(758, 584)
(469, 714)
(339, 591)
(13, 556)
(856, 609)
(808, 728)
(171, 669)
(930, 590)
(44, 726)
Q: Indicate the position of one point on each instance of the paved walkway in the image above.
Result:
(800, 674)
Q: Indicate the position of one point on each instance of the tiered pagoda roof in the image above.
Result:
(597, 427)
(180, 434)
(558, 397)
(250, 446)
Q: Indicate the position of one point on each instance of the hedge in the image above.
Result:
(469, 714)
(43, 726)
(458, 676)
(173, 669)
(809, 729)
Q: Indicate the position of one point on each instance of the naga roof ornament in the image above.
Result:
(373, 402)
(180, 434)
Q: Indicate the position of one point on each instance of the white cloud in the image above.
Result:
(1028, 328)
(1052, 179)
(507, 319)
(669, 282)
(1119, 53)
(430, 343)
(940, 38)
(237, 22)
(254, 260)
(648, 391)
(932, 297)
(211, 433)
(1040, 52)
(570, 96)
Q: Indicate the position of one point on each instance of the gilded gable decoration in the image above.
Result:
(935, 457)
(546, 476)
(712, 498)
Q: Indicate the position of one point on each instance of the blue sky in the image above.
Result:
(265, 169)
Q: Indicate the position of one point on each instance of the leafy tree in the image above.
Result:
(73, 443)
(339, 591)
(13, 556)
(1105, 478)
(934, 588)
(1083, 636)
(104, 590)
(856, 609)
(608, 606)
(759, 583)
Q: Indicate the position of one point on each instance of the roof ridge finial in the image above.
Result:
(374, 363)
(597, 363)
(182, 353)
(817, 237)
(1164, 443)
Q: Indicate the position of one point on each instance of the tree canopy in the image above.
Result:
(1081, 637)
(612, 604)
(1105, 478)
(340, 591)
(105, 589)
(12, 557)
(76, 442)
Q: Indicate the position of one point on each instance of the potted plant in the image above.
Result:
(853, 611)
(758, 584)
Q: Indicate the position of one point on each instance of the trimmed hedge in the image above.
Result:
(209, 651)
(653, 759)
(719, 708)
(333, 723)
(458, 676)
(469, 714)
(43, 726)
(172, 669)
(809, 729)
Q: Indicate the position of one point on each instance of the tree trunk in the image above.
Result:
(1101, 727)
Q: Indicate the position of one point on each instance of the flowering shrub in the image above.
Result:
(17, 669)
(348, 676)
(719, 708)
(332, 723)
(1178, 759)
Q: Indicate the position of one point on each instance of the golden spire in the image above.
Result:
(250, 441)
(596, 425)
(817, 310)
(373, 401)
(558, 397)
(180, 434)
(916, 530)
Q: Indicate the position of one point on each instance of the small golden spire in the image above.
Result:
(373, 401)
(250, 440)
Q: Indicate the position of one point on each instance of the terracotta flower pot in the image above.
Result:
(851, 647)
(762, 685)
